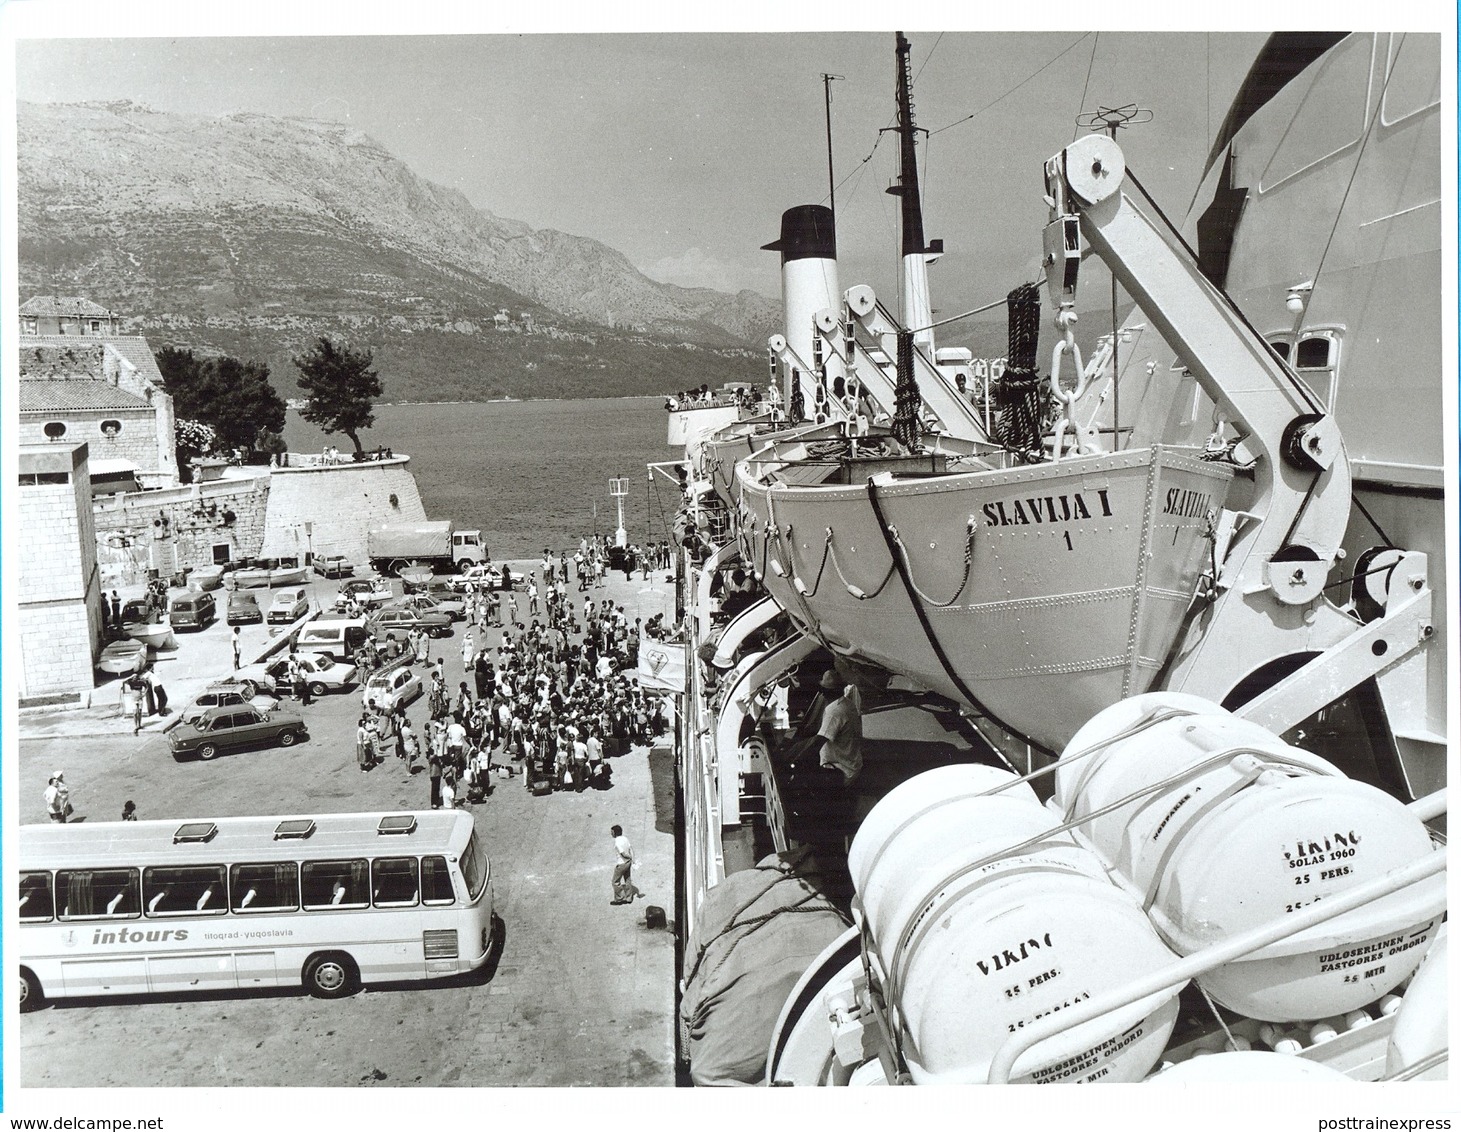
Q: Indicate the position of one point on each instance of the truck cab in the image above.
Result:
(467, 548)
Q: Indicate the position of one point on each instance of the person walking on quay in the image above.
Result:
(467, 650)
(237, 651)
(301, 683)
(406, 744)
(58, 798)
(362, 743)
(117, 612)
(433, 765)
(532, 598)
(624, 890)
(156, 692)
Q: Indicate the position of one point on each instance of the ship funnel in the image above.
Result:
(808, 247)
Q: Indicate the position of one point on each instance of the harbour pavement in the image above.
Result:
(581, 992)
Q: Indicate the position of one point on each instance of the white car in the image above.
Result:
(321, 672)
(390, 687)
(369, 592)
(224, 695)
(477, 576)
(288, 606)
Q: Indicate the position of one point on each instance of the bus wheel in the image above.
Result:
(207, 751)
(31, 997)
(330, 974)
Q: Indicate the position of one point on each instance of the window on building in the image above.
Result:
(29, 326)
(95, 326)
(54, 430)
(110, 429)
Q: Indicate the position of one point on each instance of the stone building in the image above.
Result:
(99, 387)
(71, 316)
(58, 607)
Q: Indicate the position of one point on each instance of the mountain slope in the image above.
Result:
(212, 231)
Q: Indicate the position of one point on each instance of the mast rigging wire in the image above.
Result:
(1091, 66)
(1017, 86)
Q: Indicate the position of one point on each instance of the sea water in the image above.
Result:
(528, 474)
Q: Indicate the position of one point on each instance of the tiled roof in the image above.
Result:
(72, 394)
(135, 349)
(132, 347)
(62, 305)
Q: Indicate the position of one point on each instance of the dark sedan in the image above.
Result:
(401, 621)
(236, 725)
(243, 609)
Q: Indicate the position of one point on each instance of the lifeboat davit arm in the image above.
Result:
(1270, 601)
(953, 411)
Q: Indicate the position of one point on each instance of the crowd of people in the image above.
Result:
(552, 702)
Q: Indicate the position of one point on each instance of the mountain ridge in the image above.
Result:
(303, 227)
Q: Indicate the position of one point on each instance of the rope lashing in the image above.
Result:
(1019, 420)
(907, 405)
(968, 565)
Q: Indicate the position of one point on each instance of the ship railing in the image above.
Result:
(1176, 975)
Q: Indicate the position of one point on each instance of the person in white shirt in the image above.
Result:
(624, 890)
(58, 798)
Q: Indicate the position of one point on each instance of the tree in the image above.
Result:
(342, 388)
(192, 440)
(234, 398)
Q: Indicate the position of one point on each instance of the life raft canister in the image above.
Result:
(977, 942)
(1244, 830)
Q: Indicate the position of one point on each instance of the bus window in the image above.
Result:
(474, 867)
(189, 890)
(395, 884)
(35, 897)
(97, 894)
(335, 884)
(265, 888)
(436, 881)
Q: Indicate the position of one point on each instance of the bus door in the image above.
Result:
(99, 910)
(395, 897)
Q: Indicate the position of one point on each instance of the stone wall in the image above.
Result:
(195, 520)
(136, 441)
(341, 502)
(58, 611)
(254, 512)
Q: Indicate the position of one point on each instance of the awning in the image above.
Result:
(110, 467)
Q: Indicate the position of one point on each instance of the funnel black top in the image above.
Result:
(806, 233)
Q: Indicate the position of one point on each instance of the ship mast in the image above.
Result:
(916, 253)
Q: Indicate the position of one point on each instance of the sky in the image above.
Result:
(682, 150)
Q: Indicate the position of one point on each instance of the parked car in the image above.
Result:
(224, 695)
(120, 657)
(135, 612)
(322, 673)
(453, 607)
(239, 725)
(401, 621)
(192, 610)
(480, 575)
(369, 592)
(288, 606)
(243, 609)
(333, 566)
(338, 638)
(390, 687)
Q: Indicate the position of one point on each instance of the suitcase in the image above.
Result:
(541, 786)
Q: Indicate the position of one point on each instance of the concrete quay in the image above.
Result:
(582, 992)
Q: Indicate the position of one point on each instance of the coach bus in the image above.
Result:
(329, 902)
